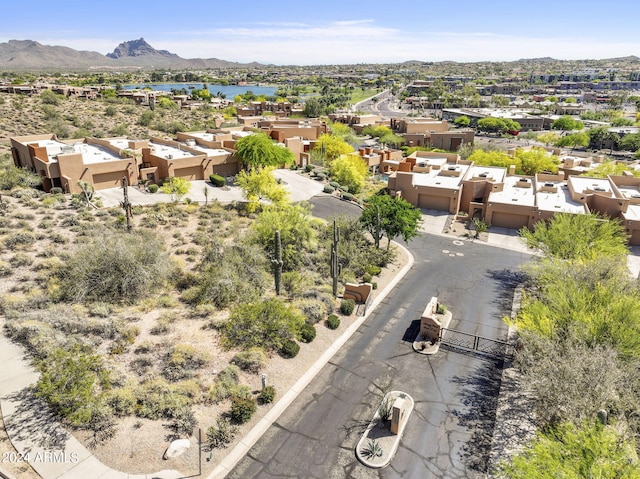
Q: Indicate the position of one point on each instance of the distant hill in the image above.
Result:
(138, 54)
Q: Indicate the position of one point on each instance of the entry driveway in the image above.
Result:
(450, 430)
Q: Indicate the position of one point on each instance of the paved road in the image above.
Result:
(449, 432)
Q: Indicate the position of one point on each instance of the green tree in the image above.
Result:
(297, 231)
(591, 236)
(260, 184)
(548, 138)
(350, 171)
(392, 217)
(331, 147)
(313, 108)
(259, 150)
(536, 160)
(266, 324)
(498, 125)
(630, 142)
(176, 188)
(462, 121)
(114, 267)
(574, 140)
(566, 122)
(601, 137)
(167, 103)
(72, 382)
(493, 158)
(611, 168)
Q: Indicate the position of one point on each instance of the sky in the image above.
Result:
(285, 32)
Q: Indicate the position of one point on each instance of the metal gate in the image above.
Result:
(471, 342)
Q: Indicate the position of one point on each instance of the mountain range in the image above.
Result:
(134, 54)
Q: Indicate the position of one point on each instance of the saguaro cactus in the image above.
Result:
(126, 204)
(336, 268)
(277, 263)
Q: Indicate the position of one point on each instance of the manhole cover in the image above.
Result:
(445, 251)
(459, 254)
(452, 255)
(458, 243)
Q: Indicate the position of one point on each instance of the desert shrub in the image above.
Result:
(110, 111)
(308, 168)
(182, 359)
(252, 360)
(242, 409)
(5, 269)
(220, 435)
(307, 333)
(159, 399)
(295, 283)
(267, 395)
(334, 184)
(347, 196)
(229, 274)
(19, 240)
(217, 180)
(225, 385)
(347, 306)
(268, 324)
(328, 189)
(290, 349)
(127, 267)
(71, 382)
(122, 401)
(313, 309)
(100, 309)
(20, 259)
(333, 321)
(153, 188)
(182, 422)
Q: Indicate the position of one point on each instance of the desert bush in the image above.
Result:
(328, 189)
(307, 333)
(71, 382)
(290, 349)
(312, 309)
(182, 422)
(19, 240)
(122, 401)
(242, 409)
(347, 306)
(295, 283)
(225, 385)
(333, 321)
(268, 324)
(267, 395)
(20, 259)
(159, 399)
(5, 269)
(220, 435)
(128, 267)
(182, 359)
(153, 188)
(252, 360)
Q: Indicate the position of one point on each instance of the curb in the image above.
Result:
(388, 457)
(247, 442)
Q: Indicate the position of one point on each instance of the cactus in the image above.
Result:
(336, 267)
(377, 237)
(126, 204)
(277, 263)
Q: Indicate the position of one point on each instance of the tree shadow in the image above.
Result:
(479, 396)
(32, 421)
(507, 281)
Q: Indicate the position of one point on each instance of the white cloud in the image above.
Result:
(356, 41)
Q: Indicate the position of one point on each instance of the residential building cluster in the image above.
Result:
(444, 182)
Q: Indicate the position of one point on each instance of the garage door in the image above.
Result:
(108, 180)
(508, 220)
(190, 173)
(430, 202)
(225, 170)
(634, 240)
